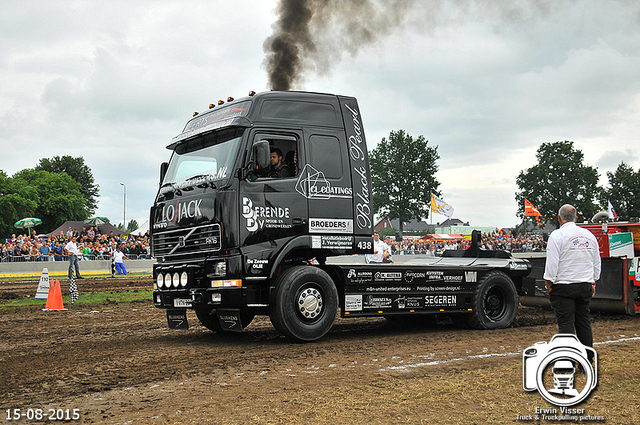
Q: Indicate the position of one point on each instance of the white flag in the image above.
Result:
(440, 207)
(612, 212)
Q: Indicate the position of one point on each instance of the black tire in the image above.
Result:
(209, 319)
(495, 302)
(304, 304)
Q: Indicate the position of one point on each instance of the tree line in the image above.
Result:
(561, 176)
(403, 172)
(56, 190)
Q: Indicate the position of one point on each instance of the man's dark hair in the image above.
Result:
(277, 150)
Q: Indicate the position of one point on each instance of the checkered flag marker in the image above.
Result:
(73, 290)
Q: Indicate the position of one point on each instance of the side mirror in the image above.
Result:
(262, 156)
(163, 171)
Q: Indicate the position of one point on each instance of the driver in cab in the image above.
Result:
(278, 168)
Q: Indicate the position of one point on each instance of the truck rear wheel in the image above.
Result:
(495, 302)
(304, 304)
(209, 319)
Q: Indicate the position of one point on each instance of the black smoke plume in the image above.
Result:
(312, 35)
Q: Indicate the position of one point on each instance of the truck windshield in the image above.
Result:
(206, 158)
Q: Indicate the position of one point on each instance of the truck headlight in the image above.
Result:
(175, 280)
(184, 279)
(160, 280)
(221, 269)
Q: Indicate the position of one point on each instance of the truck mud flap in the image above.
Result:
(177, 319)
(230, 320)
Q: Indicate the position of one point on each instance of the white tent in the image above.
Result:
(144, 228)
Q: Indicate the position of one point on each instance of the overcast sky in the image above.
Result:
(114, 81)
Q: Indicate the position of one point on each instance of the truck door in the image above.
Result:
(325, 181)
(271, 208)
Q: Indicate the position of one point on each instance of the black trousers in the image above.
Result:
(571, 304)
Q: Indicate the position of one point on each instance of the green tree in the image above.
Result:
(403, 175)
(16, 202)
(59, 197)
(624, 191)
(80, 172)
(131, 226)
(560, 177)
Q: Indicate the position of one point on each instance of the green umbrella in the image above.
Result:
(97, 221)
(27, 223)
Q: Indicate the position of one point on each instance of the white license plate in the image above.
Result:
(179, 302)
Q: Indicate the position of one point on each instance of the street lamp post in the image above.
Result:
(124, 208)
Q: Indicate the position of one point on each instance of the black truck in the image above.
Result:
(232, 241)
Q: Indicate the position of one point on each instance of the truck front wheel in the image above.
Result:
(304, 304)
(495, 302)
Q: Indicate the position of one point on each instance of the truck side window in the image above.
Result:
(284, 156)
(326, 156)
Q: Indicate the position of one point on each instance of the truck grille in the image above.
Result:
(194, 240)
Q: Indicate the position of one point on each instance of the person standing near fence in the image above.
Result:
(118, 257)
(71, 249)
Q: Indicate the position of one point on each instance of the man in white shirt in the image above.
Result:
(71, 249)
(379, 247)
(118, 258)
(571, 271)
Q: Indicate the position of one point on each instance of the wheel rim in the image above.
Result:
(309, 303)
(494, 304)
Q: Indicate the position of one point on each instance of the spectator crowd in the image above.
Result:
(502, 239)
(92, 245)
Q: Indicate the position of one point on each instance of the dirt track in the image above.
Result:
(120, 364)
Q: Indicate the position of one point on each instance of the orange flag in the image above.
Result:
(531, 211)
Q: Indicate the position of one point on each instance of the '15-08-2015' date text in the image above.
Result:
(42, 414)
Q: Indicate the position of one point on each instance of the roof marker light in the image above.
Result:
(211, 106)
(195, 113)
(229, 99)
(252, 93)
(221, 102)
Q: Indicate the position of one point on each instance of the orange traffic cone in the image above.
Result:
(54, 300)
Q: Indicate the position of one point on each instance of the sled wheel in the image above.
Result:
(304, 304)
(495, 302)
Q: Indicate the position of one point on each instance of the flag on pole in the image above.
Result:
(438, 206)
(531, 211)
(612, 212)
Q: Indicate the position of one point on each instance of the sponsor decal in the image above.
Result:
(374, 301)
(453, 278)
(179, 210)
(385, 276)
(257, 264)
(409, 276)
(518, 266)
(336, 242)
(357, 151)
(388, 289)
(330, 225)
(471, 277)
(359, 277)
(440, 300)
(438, 288)
(312, 184)
(174, 213)
(353, 302)
(260, 217)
